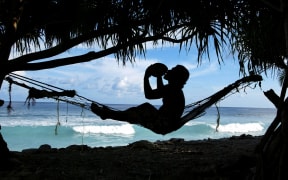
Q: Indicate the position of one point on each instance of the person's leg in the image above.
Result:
(101, 111)
(131, 115)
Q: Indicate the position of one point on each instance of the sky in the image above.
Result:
(107, 81)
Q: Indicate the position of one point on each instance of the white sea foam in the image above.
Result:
(194, 123)
(126, 129)
(15, 122)
(240, 128)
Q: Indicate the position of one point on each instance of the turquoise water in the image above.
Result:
(25, 128)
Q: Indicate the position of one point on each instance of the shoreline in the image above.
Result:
(225, 158)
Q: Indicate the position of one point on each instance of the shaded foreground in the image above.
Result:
(231, 158)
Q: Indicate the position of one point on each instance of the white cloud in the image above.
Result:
(110, 79)
(21, 73)
(204, 69)
(102, 79)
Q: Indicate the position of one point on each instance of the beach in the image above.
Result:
(225, 158)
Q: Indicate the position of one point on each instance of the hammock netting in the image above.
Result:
(191, 111)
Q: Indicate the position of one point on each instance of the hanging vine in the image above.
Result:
(83, 116)
(9, 107)
(66, 120)
(58, 118)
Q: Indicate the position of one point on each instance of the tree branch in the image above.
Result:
(273, 97)
(62, 47)
(17, 66)
(25, 62)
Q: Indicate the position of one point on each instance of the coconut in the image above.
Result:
(158, 69)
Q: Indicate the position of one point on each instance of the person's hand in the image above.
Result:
(149, 71)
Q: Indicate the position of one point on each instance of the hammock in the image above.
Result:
(191, 111)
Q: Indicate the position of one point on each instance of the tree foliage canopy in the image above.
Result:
(42, 29)
(260, 36)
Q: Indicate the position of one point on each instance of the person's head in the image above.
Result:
(177, 75)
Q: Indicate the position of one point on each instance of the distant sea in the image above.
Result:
(25, 128)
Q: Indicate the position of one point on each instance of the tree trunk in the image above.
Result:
(4, 151)
(272, 150)
(5, 49)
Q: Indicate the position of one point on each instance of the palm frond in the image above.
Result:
(252, 30)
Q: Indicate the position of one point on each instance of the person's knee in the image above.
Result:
(146, 106)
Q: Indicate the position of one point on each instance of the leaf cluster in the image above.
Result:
(260, 36)
(42, 29)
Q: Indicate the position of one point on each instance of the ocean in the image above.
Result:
(43, 123)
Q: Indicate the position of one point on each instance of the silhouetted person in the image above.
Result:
(161, 120)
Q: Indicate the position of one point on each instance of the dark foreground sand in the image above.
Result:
(231, 158)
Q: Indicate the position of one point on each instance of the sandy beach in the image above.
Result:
(228, 158)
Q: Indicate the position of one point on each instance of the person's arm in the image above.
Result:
(160, 83)
(148, 91)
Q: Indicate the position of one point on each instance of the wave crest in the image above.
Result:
(240, 128)
(126, 129)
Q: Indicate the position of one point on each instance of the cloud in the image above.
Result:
(204, 69)
(111, 79)
(100, 79)
(21, 73)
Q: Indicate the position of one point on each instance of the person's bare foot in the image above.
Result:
(101, 111)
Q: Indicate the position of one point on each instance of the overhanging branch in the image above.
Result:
(62, 47)
(75, 59)
(26, 62)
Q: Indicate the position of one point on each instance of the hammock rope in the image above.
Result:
(199, 107)
(192, 111)
(49, 91)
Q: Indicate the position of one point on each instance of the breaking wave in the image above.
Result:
(126, 129)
